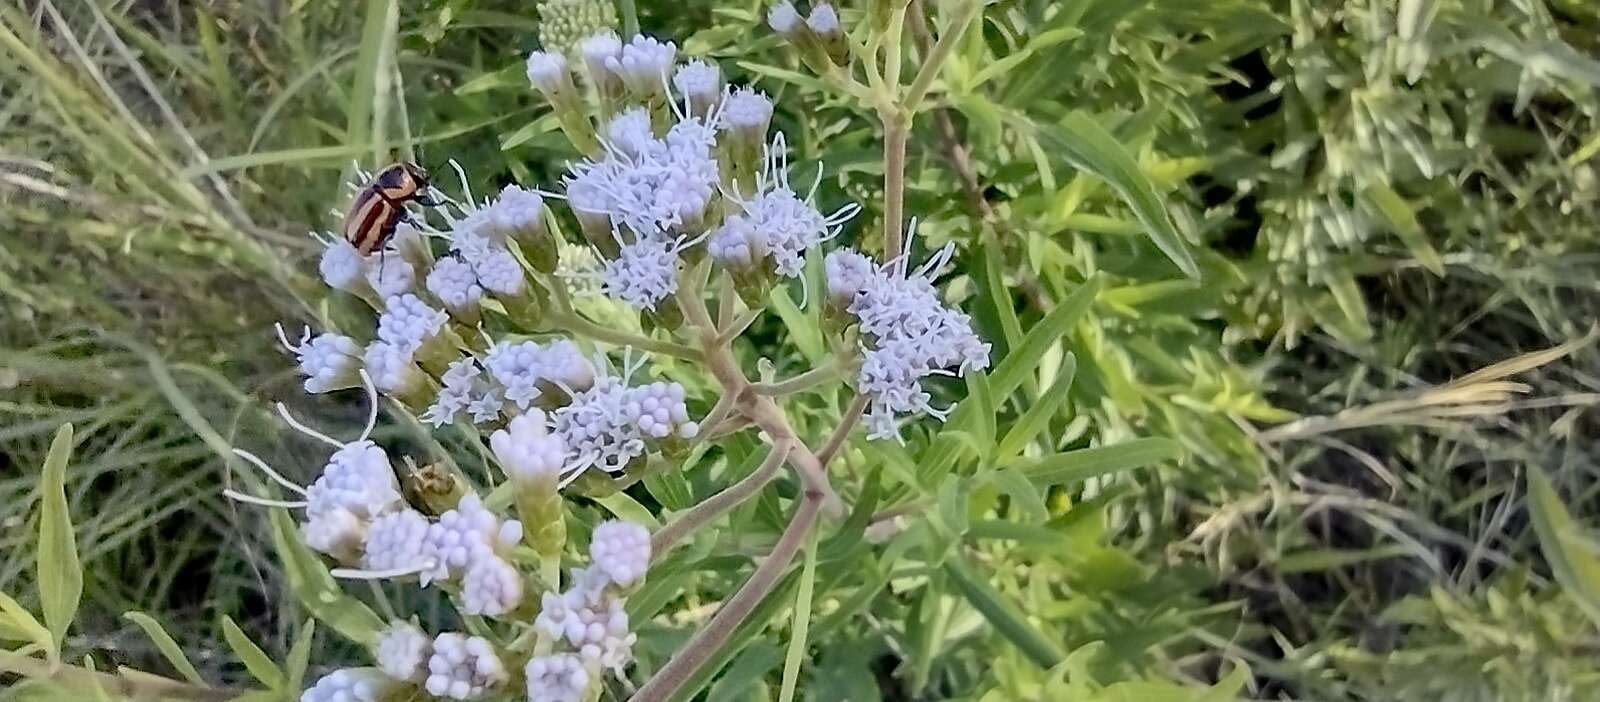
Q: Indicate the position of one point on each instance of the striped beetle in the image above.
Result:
(380, 206)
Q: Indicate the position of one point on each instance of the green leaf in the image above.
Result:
(377, 44)
(1022, 492)
(254, 659)
(1089, 147)
(1563, 544)
(1006, 617)
(803, 331)
(18, 624)
(168, 647)
(1039, 414)
(1398, 213)
(628, 509)
(802, 623)
(60, 574)
(1024, 359)
(300, 656)
(315, 587)
(1082, 464)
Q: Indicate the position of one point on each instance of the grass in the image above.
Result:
(1376, 205)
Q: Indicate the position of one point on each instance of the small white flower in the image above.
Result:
(403, 652)
(464, 391)
(391, 275)
(527, 451)
(630, 134)
(747, 111)
(349, 685)
(547, 71)
(698, 82)
(621, 550)
(736, 244)
(592, 621)
(643, 274)
(491, 587)
(848, 273)
(519, 368)
(409, 323)
(397, 542)
(563, 364)
(559, 677)
(500, 273)
(393, 369)
(643, 64)
(357, 479)
(335, 532)
(597, 430)
(824, 20)
(599, 51)
(455, 284)
(658, 410)
(516, 210)
(343, 267)
(328, 361)
(463, 667)
(465, 534)
(783, 18)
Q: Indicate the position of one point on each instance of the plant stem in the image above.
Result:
(934, 61)
(630, 18)
(689, 659)
(896, 129)
(841, 433)
(669, 536)
(126, 684)
(800, 383)
(583, 327)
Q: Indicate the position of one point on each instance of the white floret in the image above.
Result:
(643, 274)
(391, 275)
(491, 587)
(621, 550)
(358, 479)
(598, 51)
(343, 267)
(328, 361)
(463, 667)
(335, 532)
(698, 81)
(847, 273)
(783, 18)
(393, 369)
(559, 677)
(409, 323)
(748, 111)
(455, 284)
(527, 451)
(824, 20)
(516, 210)
(350, 685)
(644, 63)
(500, 273)
(547, 71)
(465, 534)
(403, 652)
(397, 542)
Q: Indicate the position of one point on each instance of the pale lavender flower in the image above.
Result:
(463, 667)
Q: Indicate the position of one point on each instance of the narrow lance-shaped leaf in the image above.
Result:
(1088, 146)
(60, 574)
(1082, 464)
(1003, 615)
(254, 659)
(1575, 567)
(311, 582)
(166, 645)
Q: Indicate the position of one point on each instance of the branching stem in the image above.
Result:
(669, 536)
(583, 327)
(815, 377)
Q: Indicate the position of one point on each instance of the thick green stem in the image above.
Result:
(896, 130)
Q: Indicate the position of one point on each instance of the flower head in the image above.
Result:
(466, 534)
(397, 542)
(343, 267)
(700, 84)
(500, 273)
(527, 451)
(643, 64)
(559, 677)
(643, 274)
(349, 685)
(463, 667)
(328, 361)
(824, 20)
(621, 550)
(847, 273)
(591, 621)
(464, 391)
(598, 51)
(391, 275)
(453, 282)
(358, 479)
(403, 652)
(409, 323)
(748, 111)
(517, 211)
(783, 18)
(393, 368)
(547, 71)
(491, 587)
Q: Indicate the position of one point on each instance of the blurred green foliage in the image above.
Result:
(1378, 197)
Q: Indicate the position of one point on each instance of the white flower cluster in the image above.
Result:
(588, 619)
(775, 224)
(610, 424)
(907, 334)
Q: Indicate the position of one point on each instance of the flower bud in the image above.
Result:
(598, 51)
(700, 85)
(564, 24)
(463, 667)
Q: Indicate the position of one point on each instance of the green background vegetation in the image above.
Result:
(1379, 198)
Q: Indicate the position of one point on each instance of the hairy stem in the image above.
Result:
(689, 659)
(896, 130)
(841, 433)
(820, 375)
(583, 327)
(669, 536)
(125, 684)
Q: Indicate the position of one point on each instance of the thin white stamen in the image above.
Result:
(359, 574)
(237, 496)
(262, 465)
(283, 411)
(372, 413)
